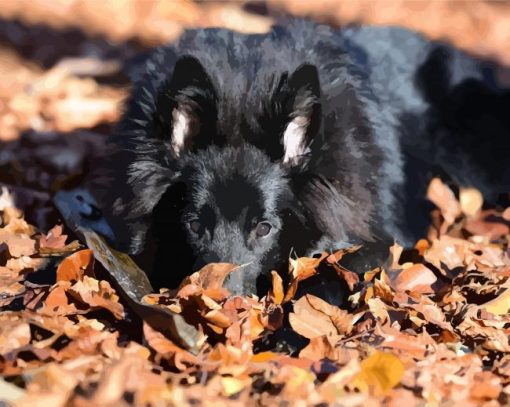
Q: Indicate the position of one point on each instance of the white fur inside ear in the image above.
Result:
(294, 140)
(181, 129)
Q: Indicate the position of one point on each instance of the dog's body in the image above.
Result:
(242, 148)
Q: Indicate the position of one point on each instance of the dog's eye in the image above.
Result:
(195, 226)
(263, 229)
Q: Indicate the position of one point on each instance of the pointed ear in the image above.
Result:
(304, 113)
(186, 106)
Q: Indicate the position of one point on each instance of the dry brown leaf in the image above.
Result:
(313, 317)
(97, 294)
(210, 277)
(54, 239)
(417, 278)
(319, 348)
(338, 255)
(167, 348)
(506, 214)
(499, 305)
(396, 251)
(443, 197)
(277, 288)
(75, 266)
(13, 335)
(380, 372)
(18, 245)
(471, 201)
(300, 269)
(351, 278)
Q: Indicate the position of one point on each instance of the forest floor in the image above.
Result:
(428, 327)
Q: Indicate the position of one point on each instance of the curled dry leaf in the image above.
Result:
(277, 288)
(300, 269)
(305, 267)
(350, 277)
(54, 239)
(395, 251)
(211, 277)
(339, 254)
(443, 197)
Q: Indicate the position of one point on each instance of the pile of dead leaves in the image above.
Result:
(431, 326)
(56, 100)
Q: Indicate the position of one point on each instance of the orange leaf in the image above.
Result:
(304, 267)
(417, 278)
(210, 277)
(73, 267)
(443, 197)
(314, 317)
(277, 291)
(337, 256)
(319, 348)
(264, 357)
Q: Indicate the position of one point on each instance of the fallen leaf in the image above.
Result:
(380, 372)
(167, 348)
(319, 348)
(339, 254)
(313, 317)
(277, 290)
(19, 245)
(10, 393)
(506, 214)
(443, 197)
(75, 266)
(54, 239)
(350, 277)
(97, 294)
(471, 201)
(13, 335)
(499, 305)
(210, 277)
(300, 269)
(417, 278)
(231, 386)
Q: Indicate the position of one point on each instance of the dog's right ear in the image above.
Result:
(186, 111)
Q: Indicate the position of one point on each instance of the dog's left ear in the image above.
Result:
(304, 113)
(186, 109)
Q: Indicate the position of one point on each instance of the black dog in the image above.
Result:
(245, 148)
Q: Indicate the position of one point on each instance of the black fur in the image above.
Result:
(366, 110)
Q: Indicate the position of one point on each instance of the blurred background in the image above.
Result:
(61, 80)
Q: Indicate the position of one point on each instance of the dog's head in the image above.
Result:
(237, 196)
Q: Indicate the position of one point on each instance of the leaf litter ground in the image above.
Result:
(429, 326)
